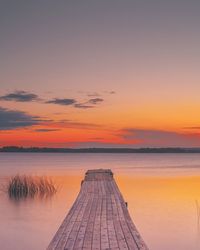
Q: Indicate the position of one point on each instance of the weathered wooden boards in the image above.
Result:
(98, 219)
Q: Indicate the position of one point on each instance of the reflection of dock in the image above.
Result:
(98, 219)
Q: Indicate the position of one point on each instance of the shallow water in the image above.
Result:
(161, 191)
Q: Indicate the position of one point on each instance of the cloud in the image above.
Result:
(95, 94)
(62, 101)
(46, 130)
(20, 96)
(111, 92)
(91, 103)
(12, 119)
(83, 106)
(97, 138)
(23, 96)
(131, 133)
(76, 124)
(95, 100)
(193, 128)
(161, 138)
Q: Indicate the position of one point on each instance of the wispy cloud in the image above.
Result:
(192, 128)
(13, 119)
(23, 96)
(91, 103)
(44, 130)
(83, 105)
(110, 92)
(20, 96)
(95, 100)
(62, 101)
(161, 138)
(75, 124)
(94, 94)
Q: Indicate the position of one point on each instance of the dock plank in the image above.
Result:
(98, 219)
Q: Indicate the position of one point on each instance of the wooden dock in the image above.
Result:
(98, 219)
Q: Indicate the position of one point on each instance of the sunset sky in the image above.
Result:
(100, 73)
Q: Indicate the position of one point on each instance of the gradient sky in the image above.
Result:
(100, 73)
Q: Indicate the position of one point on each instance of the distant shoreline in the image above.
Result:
(14, 149)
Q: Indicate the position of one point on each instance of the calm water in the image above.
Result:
(161, 191)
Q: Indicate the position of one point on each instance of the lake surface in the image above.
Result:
(162, 191)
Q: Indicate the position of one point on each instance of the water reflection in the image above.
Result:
(161, 201)
(164, 210)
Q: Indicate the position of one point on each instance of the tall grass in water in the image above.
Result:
(28, 186)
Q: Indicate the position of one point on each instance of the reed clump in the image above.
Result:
(29, 186)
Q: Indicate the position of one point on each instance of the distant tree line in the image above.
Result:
(97, 150)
